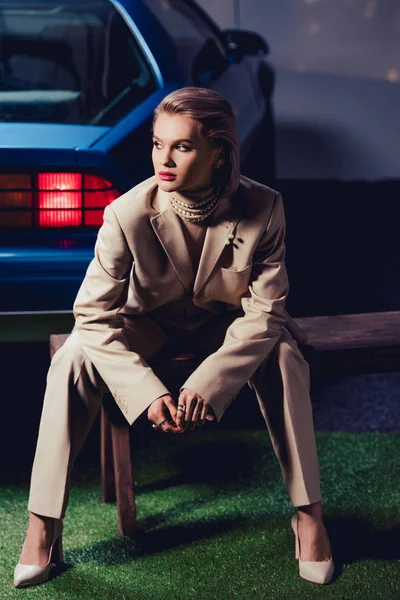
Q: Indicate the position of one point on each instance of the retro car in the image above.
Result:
(79, 81)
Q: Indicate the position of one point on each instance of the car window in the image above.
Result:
(205, 23)
(190, 33)
(71, 61)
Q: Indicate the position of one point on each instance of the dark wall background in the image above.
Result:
(343, 248)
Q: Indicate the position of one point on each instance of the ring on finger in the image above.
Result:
(159, 425)
(181, 407)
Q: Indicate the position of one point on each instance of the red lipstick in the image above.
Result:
(166, 175)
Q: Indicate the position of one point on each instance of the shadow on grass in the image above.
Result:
(57, 570)
(236, 464)
(123, 549)
(352, 540)
(355, 539)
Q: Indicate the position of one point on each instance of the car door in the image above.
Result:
(202, 57)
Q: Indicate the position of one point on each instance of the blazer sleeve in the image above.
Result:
(250, 338)
(99, 325)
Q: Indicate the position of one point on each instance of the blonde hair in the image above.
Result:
(217, 123)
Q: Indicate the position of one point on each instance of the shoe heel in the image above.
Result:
(57, 555)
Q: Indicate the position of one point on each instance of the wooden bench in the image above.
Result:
(320, 334)
(356, 342)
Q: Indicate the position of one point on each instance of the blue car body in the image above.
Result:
(41, 269)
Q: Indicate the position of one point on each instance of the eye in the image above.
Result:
(156, 144)
(185, 148)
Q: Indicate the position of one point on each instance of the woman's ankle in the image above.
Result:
(37, 518)
(310, 512)
(38, 540)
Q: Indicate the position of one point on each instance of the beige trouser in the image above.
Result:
(74, 393)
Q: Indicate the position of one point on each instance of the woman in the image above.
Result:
(194, 254)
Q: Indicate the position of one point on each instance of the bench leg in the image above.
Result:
(123, 479)
(116, 465)
(106, 459)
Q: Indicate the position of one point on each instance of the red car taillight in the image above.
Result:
(54, 200)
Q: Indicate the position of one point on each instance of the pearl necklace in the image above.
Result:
(198, 211)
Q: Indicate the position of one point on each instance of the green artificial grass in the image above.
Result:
(215, 521)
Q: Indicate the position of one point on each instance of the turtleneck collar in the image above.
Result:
(196, 195)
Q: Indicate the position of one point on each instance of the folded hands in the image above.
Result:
(190, 412)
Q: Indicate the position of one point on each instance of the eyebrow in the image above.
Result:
(176, 141)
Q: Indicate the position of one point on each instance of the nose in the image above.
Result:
(166, 159)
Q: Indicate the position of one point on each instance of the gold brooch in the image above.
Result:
(230, 235)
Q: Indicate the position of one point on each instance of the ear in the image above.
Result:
(220, 160)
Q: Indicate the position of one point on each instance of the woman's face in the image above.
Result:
(178, 149)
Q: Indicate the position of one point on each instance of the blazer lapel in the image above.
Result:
(224, 221)
(167, 227)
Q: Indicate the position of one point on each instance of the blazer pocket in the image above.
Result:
(236, 272)
(231, 284)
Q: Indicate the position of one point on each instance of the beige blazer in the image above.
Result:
(141, 263)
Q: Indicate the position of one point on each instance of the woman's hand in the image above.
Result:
(195, 412)
(163, 413)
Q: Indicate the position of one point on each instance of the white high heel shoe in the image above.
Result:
(314, 571)
(25, 575)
